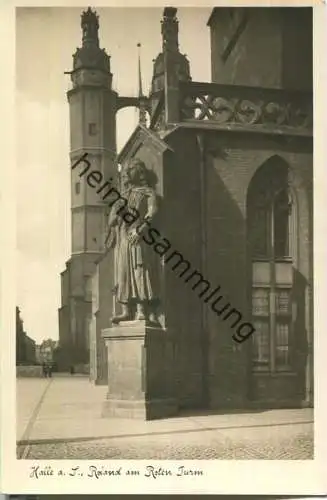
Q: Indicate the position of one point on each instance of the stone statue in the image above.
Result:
(136, 272)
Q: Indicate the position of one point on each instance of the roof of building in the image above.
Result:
(145, 132)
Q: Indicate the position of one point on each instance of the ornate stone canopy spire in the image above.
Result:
(90, 56)
(178, 63)
(169, 29)
(90, 27)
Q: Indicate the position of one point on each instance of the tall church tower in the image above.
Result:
(92, 105)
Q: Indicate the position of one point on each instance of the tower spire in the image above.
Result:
(142, 111)
(170, 67)
(169, 30)
(91, 64)
(90, 28)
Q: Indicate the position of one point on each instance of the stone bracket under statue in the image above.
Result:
(140, 371)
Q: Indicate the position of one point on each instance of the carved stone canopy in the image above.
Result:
(169, 29)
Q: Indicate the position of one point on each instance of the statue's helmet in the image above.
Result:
(136, 162)
(137, 170)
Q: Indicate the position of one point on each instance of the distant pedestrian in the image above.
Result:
(72, 370)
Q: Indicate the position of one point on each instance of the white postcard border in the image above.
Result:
(232, 477)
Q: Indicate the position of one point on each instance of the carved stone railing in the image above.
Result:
(235, 107)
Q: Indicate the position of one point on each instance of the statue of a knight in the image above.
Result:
(136, 272)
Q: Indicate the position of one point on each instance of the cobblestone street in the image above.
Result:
(257, 444)
(61, 419)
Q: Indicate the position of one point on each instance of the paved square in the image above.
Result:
(61, 419)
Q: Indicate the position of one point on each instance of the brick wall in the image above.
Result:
(207, 358)
(255, 57)
(270, 48)
(229, 172)
(182, 224)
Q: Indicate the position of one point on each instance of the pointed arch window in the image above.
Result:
(271, 214)
(270, 219)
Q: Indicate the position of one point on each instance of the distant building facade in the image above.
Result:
(234, 163)
(38, 354)
(25, 346)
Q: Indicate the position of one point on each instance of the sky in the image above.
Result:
(46, 38)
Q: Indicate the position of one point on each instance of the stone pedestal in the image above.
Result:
(140, 372)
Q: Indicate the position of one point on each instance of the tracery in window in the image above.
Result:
(272, 238)
(270, 210)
